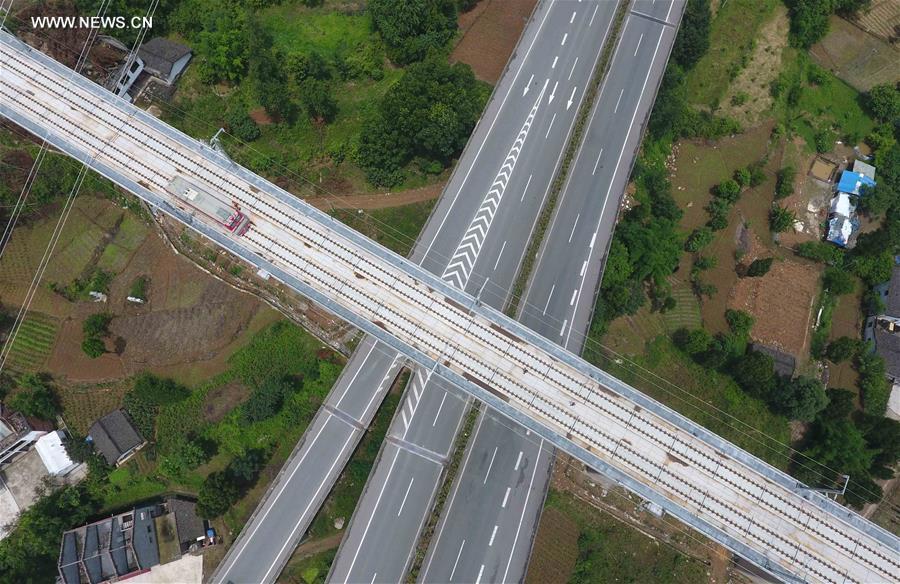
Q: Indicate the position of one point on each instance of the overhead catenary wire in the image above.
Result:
(682, 395)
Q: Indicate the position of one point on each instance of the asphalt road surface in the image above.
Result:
(495, 208)
(491, 198)
(486, 530)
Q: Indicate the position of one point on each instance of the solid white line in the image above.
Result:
(480, 572)
(549, 296)
(565, 36)
(375, 575)
(518, 461)
(573, 68)
(453, 571)
(618, 101)
(597, 163)
(525, 190)
(505, 498)
(574, 225)
(372, 516)
(638, 44)
(615, 172)
(499, 255)
(455, 491)
(387, 377)
(305, 511)
(524, 508)
(491, 127)
(402, 503)
(403, 413)
(550, 127)
(355, 373)
(571, 20)
(593, 15)
(555, 59)
(490, 466)
(440, 407)
(493, 535)
(574, 294)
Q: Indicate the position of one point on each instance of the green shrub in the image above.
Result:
(755, 373)
(838, 281)
(35, 398)
(784, 182)
(820, 251)
(699, 239)
(742, 177)
(842, 349)
(800, 398)
(781, 219)
(139, 287)
(93, 347)
(693, 341)
(97, 325)
(242, 126)
(759, 267)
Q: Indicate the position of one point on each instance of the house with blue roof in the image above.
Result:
(851, 182)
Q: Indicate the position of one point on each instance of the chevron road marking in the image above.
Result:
(463, 260)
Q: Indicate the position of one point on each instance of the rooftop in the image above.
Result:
(114, 436)
(160, 55)
(851, 182)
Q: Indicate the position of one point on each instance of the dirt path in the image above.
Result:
(371, 201)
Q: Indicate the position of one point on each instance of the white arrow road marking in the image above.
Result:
(571, 97)
(553, 93)
(462, 262)
(528, 85)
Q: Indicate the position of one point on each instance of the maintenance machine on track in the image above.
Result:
(231, 217)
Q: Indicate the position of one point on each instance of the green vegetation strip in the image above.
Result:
(459, 449)
(518, 288)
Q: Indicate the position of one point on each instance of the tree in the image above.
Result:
(265, 401)
(838, 447)
(241, 125)
(781, 219)
(618, 268)
(882, 435)
(692, 342)
(411, 28)
(311, 65)
(729, 190)
(318, 101)
(876, 200)
(784, 182)
(246, 468)
(97, 325)
(820, 251)
(759, 267)
(700, 238)
(739, 322)
(428, 113)
(221, 44)
(755, 373)
(742, 177)
(809, 21)
(757, 174)
(217, 494)
(93, 347)
(35, 398)
(872, 383)
(800, 398)
(837, 281)
(842, 349)
(884, 103)
(693, 39)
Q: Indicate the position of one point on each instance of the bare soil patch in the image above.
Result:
(223, 399)
(782, 304)
(859, 58)
(749, 97)
(490, 32)
(370, 201)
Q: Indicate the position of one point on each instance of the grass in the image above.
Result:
(395, 227)
(708, 397)
(309, 570)
(732, 37)
(832, 103)
(346, 493)
(297, 29)
(611, 551)
(33, 342)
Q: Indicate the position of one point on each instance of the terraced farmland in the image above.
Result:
(33, 343)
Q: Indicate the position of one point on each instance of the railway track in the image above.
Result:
(761, 515)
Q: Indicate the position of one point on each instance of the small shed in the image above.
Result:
(864, 168)
(115, 437)
(164, 59)
(852, 181)
(841, 230)
(842, 205)
(52, 450)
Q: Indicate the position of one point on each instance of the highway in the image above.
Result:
(495, 212)
(486, 529)
(699, 478)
